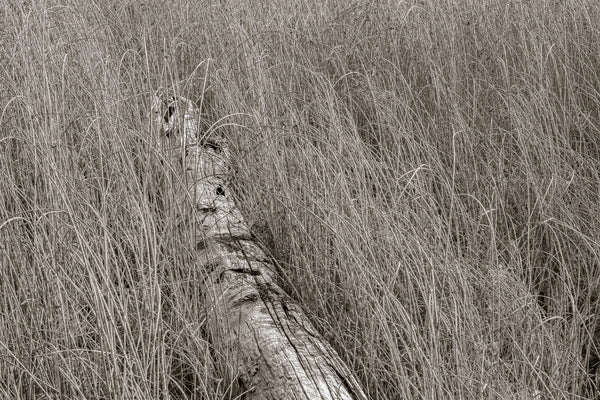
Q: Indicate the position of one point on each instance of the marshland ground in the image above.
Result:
(425, 172)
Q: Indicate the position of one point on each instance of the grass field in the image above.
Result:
(426, 173)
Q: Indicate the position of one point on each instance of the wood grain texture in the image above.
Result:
(261, 339)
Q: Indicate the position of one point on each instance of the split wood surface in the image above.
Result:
(261, 339)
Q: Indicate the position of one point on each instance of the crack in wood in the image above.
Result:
(247, 271)
(231, 240)
(248, 298)
(206, 210)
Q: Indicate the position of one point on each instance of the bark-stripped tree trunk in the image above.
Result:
(261, 338)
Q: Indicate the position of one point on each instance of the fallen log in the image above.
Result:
(260, 337)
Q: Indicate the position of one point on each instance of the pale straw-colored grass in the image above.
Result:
(425, 173)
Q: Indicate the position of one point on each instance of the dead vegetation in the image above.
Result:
(425, 173)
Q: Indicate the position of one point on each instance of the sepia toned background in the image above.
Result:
(425, 173)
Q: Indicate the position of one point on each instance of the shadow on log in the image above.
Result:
(260, 337)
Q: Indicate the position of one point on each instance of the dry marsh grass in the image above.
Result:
(426, 174)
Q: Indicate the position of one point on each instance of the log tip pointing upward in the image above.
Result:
(175, 118)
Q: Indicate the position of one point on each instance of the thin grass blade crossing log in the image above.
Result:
(262, 340)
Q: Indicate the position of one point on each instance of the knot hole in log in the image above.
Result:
(170, 110)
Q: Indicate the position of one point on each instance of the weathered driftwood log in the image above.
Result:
(261, 338)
